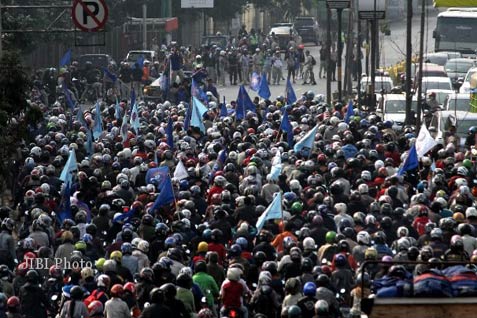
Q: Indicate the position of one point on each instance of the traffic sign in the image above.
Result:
(338, 4)
(89, 15)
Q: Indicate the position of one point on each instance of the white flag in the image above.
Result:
(424, 141)
(276, 166)
(180, 172)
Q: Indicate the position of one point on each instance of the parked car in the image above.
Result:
(393, 107)
(285, 34)
(219, 40)
(99, 61)
(133, 56)
(308, 29)
(430, 69)
(457, 101)
(383, 84)
(434, 82)
(457, 69)
(465, 87)
(462, 120)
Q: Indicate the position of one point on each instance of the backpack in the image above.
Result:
(95, 295)
(313, 61)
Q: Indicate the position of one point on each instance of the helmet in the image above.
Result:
(109, 266)
(323, 280)
(126, 248)
(330, 237)
(340, 260)
(169, 290)
(457, 241)
(13, 302)
(296, 207)
(143, 246)
(76, 293)
(103, 280)
(309, 289)
(116, 255)
(322, 307)
(55, 271)
(436, 233)
(309, 243)
(294, 311)
(130, 287)
(202, 247)
(95, 308)
(363, 237)
(32, 276)
(117, 290)
(87, 272)
(146, 274)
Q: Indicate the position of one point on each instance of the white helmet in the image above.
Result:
(363, 237)
(402, 231)
(342, 127)
(143, 246)
(309, 243)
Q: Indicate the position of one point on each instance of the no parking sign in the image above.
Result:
(89, 15)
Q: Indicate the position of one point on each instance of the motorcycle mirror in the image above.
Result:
(54, 297)
(146, 305)
(342, 290)
(324, 261)
(203, 300)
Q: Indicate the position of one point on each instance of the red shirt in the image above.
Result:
(220, 249)
(231, 294)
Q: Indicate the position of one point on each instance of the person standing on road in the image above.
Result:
(277, 65)
(333, 59)
(291, 59)
(244, 66)
(323, 59)
(221, 67)
(233, 67)
(308, 66)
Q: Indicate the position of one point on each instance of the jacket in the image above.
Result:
(116, 308)
(207, 285)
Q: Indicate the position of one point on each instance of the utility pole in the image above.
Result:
(328, 56)
(339, 58)
(1, 44)
(144, 26)
(408, 62)
(421, 53)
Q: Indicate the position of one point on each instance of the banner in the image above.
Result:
(455, 3)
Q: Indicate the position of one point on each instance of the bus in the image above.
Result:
(456, 30)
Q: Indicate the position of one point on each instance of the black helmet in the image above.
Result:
(169, 290)
(32, 276)
(260, 257)
(157, 296)
(294, 311)
(200, 266)
(76, 293)
(323, 280)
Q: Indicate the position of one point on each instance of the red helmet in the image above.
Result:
(382, 172)
(251, 131)
(22, 269)
(55, 271)
(216, 198)
(117, 290)
(95, 307)
(13, 302)
(130, 287)
(29, 255)
(322, 158)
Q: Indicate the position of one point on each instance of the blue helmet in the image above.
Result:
(309, 289)
(170, 242)
(126, 248)
(242, 241)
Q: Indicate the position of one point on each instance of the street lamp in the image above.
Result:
(339, 5)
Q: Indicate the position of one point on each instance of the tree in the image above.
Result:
(16, 114)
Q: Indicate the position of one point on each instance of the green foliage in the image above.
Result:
(15, 112)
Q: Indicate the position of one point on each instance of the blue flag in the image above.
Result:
(68, 98)
(219, 164)
(197, 91)
(64, 211)
(223, 111)
(155, 158)
(89, 143)
(264, 90)
(117, 110)
(139, 62)
(157, 175)
(287, 127)
(290, 93)
(188, 115)
(70, 167)
(244, 104)
(198, 111)
(166, 194)
(255, 82)
(307, 140)
(411, 161)
(98, 122)
(125, 217)
(66, 59)
(170, 137)
(134, 120)
(80, 117)
(349, 112)
(111, 76)
(274, 211)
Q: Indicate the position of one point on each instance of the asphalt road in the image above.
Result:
(392, 50)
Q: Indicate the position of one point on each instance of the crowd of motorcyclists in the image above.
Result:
(119, 255)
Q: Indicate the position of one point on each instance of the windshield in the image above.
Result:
(463, 126)
(398, 106)
(458, 104)
(457, 29)
(303, 22)
(379, 85)
(134, 56)
(435, 85)
(436, 59)
(458, 67)
(469, 75)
